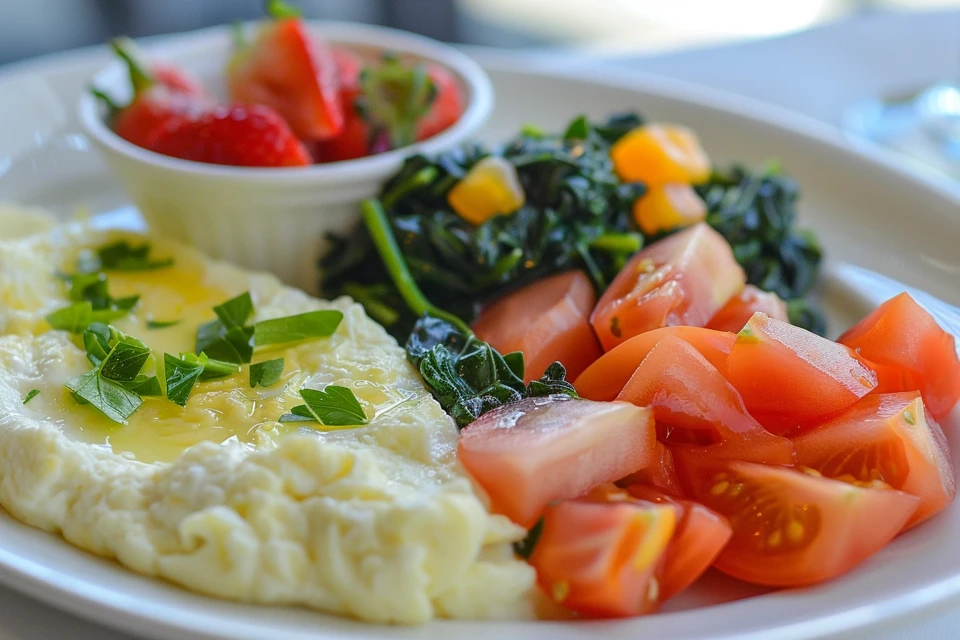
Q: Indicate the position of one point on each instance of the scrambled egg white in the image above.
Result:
(377, 522)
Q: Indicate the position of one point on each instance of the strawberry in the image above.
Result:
(286, 69)
(160, 94)
(389, 106)
(239, 135)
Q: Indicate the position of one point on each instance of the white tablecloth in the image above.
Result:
(819, 73)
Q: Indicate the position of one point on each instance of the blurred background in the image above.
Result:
(33, 27)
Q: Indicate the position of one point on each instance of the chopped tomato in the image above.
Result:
(794, 528)
(605, 378)
(693, 403)
(919, 355)
(738, 311)
(529, 453)
(700, 536)
(601, 559)
(660, 473)
(683, 279)
(791, 379)
(887, 437)
(448, 105)
(294, 73)
(547, 321)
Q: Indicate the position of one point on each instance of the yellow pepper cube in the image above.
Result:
(490, 188)
(658, 154)
(667, 207)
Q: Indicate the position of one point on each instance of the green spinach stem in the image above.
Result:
(375, 219)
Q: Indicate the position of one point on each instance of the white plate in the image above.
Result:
(872, 216)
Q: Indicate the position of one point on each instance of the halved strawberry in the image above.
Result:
(238, 135)
(162, 93)
(292, 72)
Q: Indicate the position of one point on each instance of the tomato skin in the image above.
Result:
(532, 452)
(791, 379)
(792, 528)
(886, 437)
(547, 321)
(692, 402)
(738, 311)
(700, 536)
(606, 377)
(913, 351)
(600, 559)
(683, 279)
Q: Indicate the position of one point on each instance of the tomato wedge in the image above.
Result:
(887, 437)
(790, 378)
(529, 453)
(918, 353)
(737, 312)
(605, 378)
(601, 559)
(792, 528)
(661, 473)
(683, 279)
(693, 403)
(699, 538)
(294, 73)
(547, 321)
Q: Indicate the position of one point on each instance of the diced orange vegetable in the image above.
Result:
(548, 321)
(489, 189)
(658, 154)
(604, 379)
(667, 207)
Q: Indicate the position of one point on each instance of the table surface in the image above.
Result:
(820, 73)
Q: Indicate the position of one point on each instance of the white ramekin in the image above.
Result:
(268, 219)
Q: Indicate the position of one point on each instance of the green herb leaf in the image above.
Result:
(124, 361)
(236, 311)
(265, 373)
(524, 548)
(96, 341)
(111, 398)
(181, 377)
(313, 324)
(212, 368)
(145, 386)
(299, 413)
(162, 324)
(33, 393)
(334, 406)
(122, 256)
(227, 345)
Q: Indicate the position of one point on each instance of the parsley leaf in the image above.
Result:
(96, 340)
(113, 399)
(334, 406)
(236, 311)
(79, 315)
(181, 377)
(313, 324)
(226, 338)
(122, 256)
(299, 413)
(265, 373)
(33, 393)
(125, 361)
(162, 324)
(211, 368)
(144, 386)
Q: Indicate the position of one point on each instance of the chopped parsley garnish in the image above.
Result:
(123, 256)
(265, 373)
(313, 324)
(33, 393)
(115, 385)
(334, 406)
(80, 315)
(162, 324)
(181, 377)
(212, 368)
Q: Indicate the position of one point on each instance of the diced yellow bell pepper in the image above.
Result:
(490, 188)
(658, 154)
(668, 206)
